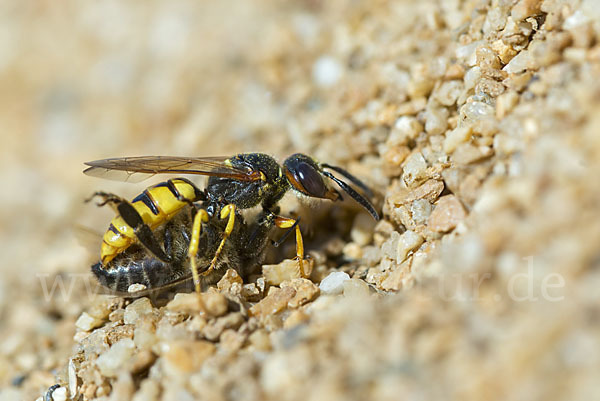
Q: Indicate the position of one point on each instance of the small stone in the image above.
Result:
(404, 131)
(118, 333)
(520, 63)
(295, 318)
(123, 388)
(184, 357)
(456, 137)
(505, 144)
(362, 229)
(230, 321)
(356, 288)
(260, 340)
(250, 292)
(230, 280)
(490, 86)
(334, 283)
(117, 315)
(60, 394)
(136, 309)
(447, 214)
(429, 190)
(103, 390)
(286, 270)
(475, 111)
(525, 8)
(393, 157)
(448, 93)
(472, 77)
(436, 120)
(103, 308)
(420, 210)
(467, 153)
(327, 71)
(505, 103)
(352, 251)
(114, 360)
(143, 338)
(196, 324)
(276, 301)
(415, 169)
(72, 375)
(231, 340)
(396, 279)
(142, 361)
(186, 303)
(86, 322)
(467, 53)
(504, 51)
(305, 289)
(487, 58)
(454, 71)
(407, 242)
(136, 288)
(149, 391)
(215, 304)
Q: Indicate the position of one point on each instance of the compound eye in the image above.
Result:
(310, 179)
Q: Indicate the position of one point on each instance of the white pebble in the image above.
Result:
(136, 288)
(136, 309)
(456, 137)
(415, 169)
(113, 360)
(327, 71)
(420, 210)
(362, 229)
(578, 18)
(405, 130)
(334, 283)
(475, 111)
(86, 322)
(356, 288)
(60, 394)
(436, 120)
(467, 54)
(73, 384)
(409, 241)
(472, 77)
(519, 63)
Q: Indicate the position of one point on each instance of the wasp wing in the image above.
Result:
(135, 169)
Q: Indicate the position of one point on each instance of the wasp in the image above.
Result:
(235, 183)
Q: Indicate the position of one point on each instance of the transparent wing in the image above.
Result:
(136, 169)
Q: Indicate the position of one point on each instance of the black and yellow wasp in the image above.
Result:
(174, 227)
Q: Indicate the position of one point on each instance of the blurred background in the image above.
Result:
(82, 81)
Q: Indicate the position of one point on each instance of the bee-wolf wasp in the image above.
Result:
(239, 182)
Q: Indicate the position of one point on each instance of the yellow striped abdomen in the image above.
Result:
(156, 205)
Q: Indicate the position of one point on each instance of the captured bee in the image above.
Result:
(243, 251)
(239, 182)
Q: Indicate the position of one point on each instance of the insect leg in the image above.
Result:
(286, 234)
(143, 233)
(106, 198)
(287, 222)
(200, 217)
(48, 395)
(228, 211)
(198, 194)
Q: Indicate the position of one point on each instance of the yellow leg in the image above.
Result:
(286, 222)
(201, 217)
(227, 211)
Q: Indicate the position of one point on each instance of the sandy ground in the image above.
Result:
(475, 122)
